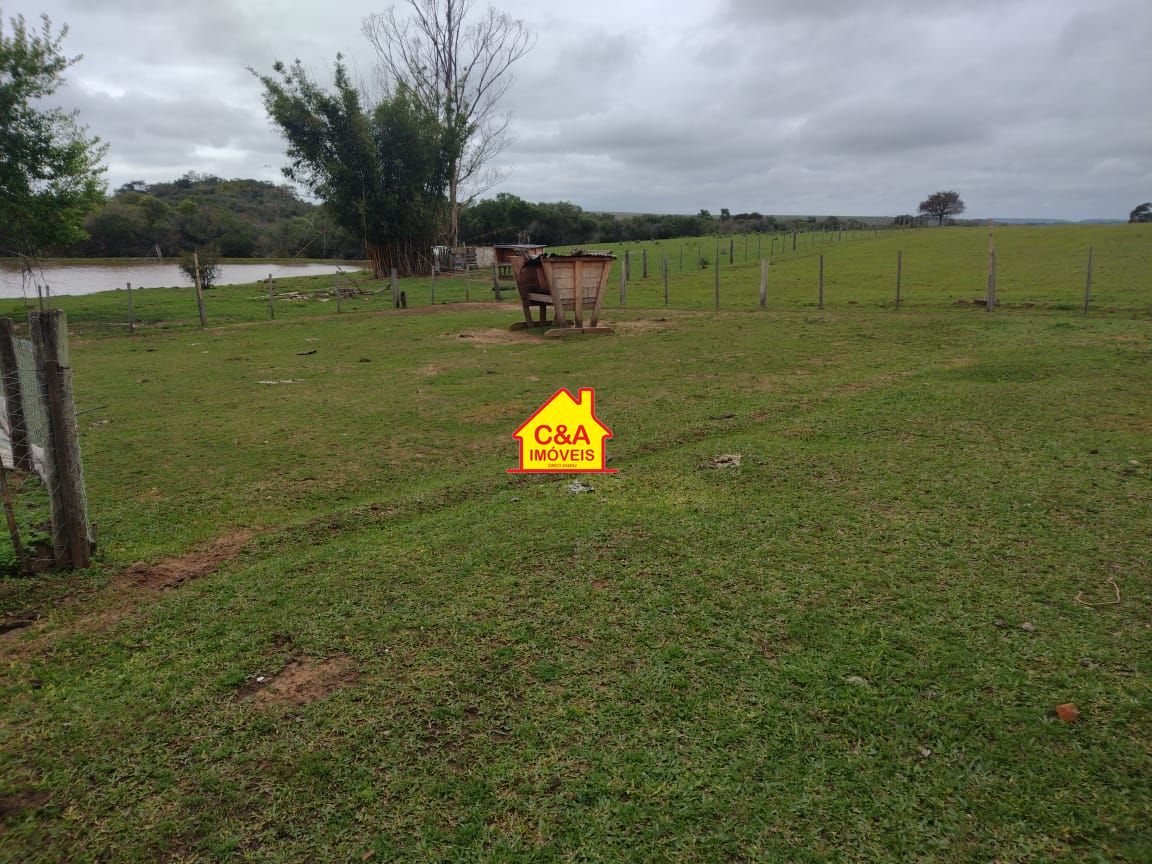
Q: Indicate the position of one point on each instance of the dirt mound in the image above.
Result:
(200, 562)
(304, 680)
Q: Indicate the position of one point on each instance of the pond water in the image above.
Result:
(83, 278)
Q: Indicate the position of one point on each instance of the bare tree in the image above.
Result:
(461, 71)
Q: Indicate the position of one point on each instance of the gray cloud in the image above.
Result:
(1027, 107)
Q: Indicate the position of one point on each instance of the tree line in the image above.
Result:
(231, 218)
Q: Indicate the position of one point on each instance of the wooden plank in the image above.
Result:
(578, 290)
(578, 331)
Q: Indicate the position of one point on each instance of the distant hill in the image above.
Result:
(238, 218)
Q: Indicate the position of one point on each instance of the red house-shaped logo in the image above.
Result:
(564, 435)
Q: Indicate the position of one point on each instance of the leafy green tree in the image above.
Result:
(208, 259)
(941, 205)
(1143, 213)
(381, 173)
(49, 168)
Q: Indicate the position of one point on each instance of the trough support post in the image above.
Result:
(71, 544)
(821, 281)
(899, 273)
(199, 290)
(14, 397)
(131, 312)
(1088, 283)
(763, 282)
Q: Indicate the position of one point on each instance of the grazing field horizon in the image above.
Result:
(852, 562)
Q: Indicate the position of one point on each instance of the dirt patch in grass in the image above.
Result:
(16, 805)
(304, 680)
(500, 336)
(200, 562)
(115, 601)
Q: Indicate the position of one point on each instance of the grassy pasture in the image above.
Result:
(1038, 267)
(815, 656)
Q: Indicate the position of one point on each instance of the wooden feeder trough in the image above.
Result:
(567, 283)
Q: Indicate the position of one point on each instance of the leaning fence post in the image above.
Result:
(14, 397)
(71, 543)
(1088, 284)
(199, 290)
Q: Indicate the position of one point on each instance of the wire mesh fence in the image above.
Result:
(46, 501)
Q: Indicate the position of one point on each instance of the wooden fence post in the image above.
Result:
(71, 544)
(717, 279)
(899, 273)
(990, 301)
(467, 279)
(821, 281)
(665, 275)
(624, 279)
(644, 265)
(627, 264)
(1088, 283)
(271, 300)
(199, 290)
(763, 282)
(731, 250)
(338, 307)
(14, 397)
(396, 290)
(131, 312)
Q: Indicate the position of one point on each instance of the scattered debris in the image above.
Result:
(1068, 712)
(857, 680)
(925, 752)
(283, 381)
(1028, 627)
(726, 460)
(467, 336)
(578, 486)
(1080, 598)
(723, 417)
(365, 360)
(1001, 623)
(305, 353)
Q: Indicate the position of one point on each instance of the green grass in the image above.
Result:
(661, 670)
(1038, 267)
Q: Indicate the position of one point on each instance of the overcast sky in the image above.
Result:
(1028, 108)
